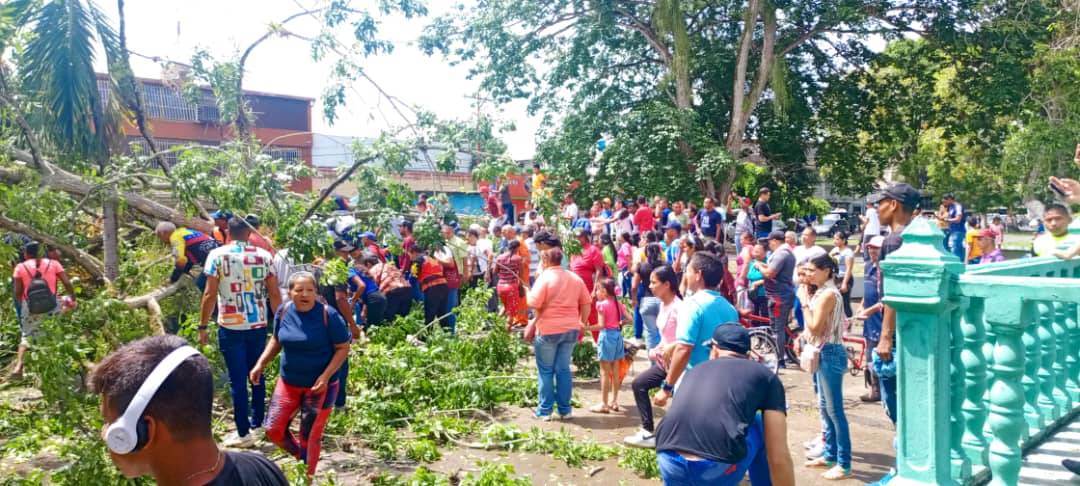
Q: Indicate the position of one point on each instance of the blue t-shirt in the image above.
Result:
(582, 223)
(664, 215)
(307, 342)
(710, 222)
(369, 285)
(671, 251)
(698, 317)
(956, 209)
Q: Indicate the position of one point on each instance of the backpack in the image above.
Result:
(39, 297)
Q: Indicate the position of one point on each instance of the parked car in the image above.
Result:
(834, 222)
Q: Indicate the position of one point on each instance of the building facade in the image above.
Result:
(282, 122)
(330, 152)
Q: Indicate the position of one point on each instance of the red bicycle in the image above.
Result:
(763, 346)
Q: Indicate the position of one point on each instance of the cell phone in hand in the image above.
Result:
(1057, 190)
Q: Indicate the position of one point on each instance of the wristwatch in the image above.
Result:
(667, 387)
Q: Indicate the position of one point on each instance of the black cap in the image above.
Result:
(342, 245)
(546, 238)
(900, 192)
(777, 235)
(764, 190)
(253, 220)
(732, 337)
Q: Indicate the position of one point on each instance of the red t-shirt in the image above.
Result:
(50, 271)
(493, 205)
(644, 219)
(587, 263)
(404, 261)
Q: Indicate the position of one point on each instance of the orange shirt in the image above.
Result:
(558, 295)
(523, 252)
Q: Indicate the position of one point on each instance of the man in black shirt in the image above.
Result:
(896, 208)
(763, 213)
(728, 418)
(175, 444)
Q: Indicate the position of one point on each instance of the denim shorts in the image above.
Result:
(610, 347)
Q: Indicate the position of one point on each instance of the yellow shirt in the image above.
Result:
(1046, 244)
(975, 251)
(537, 182)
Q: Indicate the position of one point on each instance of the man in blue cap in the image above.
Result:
(221, 225)
(672, 231)
(728, 419)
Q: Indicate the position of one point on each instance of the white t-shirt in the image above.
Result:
(621, 226)
(873, 224)
(570, 212)
(743, 223)
(480, 252)
(841, 257)
(803, 255)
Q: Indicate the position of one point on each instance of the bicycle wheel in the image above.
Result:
(763, 349)
(853, 367)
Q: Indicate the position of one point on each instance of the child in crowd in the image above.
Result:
(611, 316)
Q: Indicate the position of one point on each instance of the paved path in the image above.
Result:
(1042, 465)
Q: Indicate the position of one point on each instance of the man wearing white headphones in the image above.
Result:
(156, 398)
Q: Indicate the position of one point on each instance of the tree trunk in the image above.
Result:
(62, 180)
(110, 209)
(84, 259)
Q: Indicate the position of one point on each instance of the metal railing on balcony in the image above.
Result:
(988, 359)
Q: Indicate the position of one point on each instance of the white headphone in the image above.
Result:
(128, 433)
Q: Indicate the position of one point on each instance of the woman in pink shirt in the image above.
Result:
(562, 305)
(623, 258)
(664, 284)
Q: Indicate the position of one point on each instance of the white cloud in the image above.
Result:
(174, 30)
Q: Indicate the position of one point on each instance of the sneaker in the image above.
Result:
(564, 416)
(815, 452)
(884, 479)
(542, 418)
(1071, 465)
(234, 441)
(810, 444)
(836, 473)
(820, 462)
(642, 438)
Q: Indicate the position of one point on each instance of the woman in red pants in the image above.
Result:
(313, 341)
(508, 266)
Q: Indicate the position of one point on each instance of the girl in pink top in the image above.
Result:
(611, 316)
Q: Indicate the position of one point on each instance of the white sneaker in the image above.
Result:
(643, 438)
(563, 417)
(810, 444)
(234, 441)
(816, 451)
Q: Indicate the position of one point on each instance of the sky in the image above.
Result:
(174, 30)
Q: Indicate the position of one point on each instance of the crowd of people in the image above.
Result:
(658, 268)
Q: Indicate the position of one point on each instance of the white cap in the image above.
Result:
(877, 241)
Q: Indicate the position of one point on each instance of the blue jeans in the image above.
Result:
(453, 299)
(888, 394)
(639, 323)
(417, 294)
(650, 310)
(955, 245)
(830, 381)
(626, 281)
(799, 319)
(553, 353)
(676, 470)
(342, 379)
(241, 350)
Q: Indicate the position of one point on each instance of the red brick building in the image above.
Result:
(282, 122)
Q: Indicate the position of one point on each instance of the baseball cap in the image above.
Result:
(221, 214)
(876, 241)
(546, 238)
(673, 225)
(763, 190)
(369, 235)
(253, 220)
(900, 192)
(341, 245)
(732, 337)
(776, 235)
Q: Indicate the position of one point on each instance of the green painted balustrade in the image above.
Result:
(988, 359)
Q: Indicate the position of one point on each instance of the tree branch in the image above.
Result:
(85, 260)
(31, 140)
(323, 194)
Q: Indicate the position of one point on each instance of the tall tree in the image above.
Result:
(607, 67)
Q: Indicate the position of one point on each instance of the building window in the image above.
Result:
(289, 154)
(168, 104)
(138, 146)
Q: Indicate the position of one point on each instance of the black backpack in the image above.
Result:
(39, 297)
